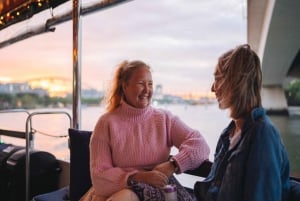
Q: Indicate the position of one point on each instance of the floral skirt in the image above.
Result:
(146, 192)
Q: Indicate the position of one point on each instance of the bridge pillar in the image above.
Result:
(274, 100)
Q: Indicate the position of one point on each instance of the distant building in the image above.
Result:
(160, 98)
(91, 93)
(23, 87)
(40, 90)
(158, 92)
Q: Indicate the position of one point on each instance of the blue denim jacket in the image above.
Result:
(256, 169)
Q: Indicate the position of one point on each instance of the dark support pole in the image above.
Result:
(76, 64)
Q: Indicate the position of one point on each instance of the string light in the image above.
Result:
(15, 13)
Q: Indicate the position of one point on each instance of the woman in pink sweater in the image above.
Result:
(131, 142)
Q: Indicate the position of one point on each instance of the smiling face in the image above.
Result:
(138, 89)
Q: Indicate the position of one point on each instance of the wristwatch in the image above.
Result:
(130, 180)
(173, 162)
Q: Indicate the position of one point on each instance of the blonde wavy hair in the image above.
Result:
(122, 75)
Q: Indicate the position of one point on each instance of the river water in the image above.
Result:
(208, 119)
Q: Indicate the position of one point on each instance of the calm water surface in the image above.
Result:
(208, 119)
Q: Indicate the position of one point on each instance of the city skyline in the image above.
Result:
(61, 87)
(180, 41)
(47, 86)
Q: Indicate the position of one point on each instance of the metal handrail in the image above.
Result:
(16, 134)
(29, 137)
(28, 145)
(14, 111)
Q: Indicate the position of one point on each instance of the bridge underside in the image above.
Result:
(274, 100)
(273, 32)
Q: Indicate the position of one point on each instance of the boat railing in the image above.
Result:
(14, 133)
(29, 137)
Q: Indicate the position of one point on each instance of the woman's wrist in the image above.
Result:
(130, 179)
(174, 164)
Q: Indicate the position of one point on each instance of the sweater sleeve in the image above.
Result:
(106, 178)
(193, 148)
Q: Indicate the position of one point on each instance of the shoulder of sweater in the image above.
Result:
(106, 116)
(162, 111)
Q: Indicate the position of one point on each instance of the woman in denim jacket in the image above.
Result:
(251, 162)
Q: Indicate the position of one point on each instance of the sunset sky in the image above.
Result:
(181, 40)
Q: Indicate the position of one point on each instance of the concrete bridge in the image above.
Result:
(274, 33)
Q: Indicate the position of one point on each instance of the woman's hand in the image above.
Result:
(153, 177)
(167, 168)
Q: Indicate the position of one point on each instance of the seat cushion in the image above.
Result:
(80, 180)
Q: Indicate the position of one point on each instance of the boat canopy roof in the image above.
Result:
(14, 11)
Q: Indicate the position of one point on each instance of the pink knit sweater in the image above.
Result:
(130, 139)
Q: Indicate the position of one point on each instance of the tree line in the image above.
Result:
(292, 93)
(33, 101)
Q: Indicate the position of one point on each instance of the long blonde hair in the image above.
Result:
(240, 69)
(122, 75)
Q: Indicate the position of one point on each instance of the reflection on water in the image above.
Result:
(208, 119)
(290, 132)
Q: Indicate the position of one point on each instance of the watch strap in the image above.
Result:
(174, 163)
